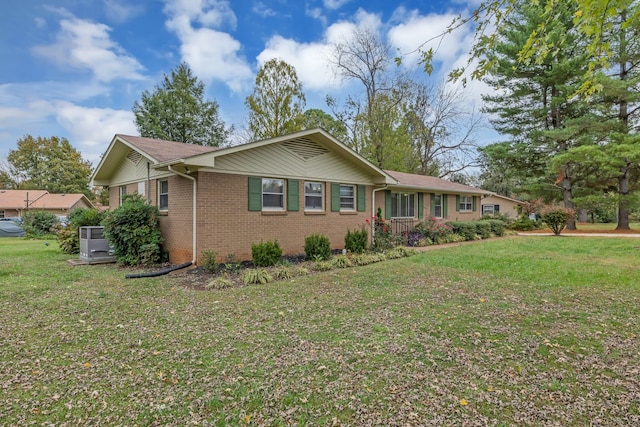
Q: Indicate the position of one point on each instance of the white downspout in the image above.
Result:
(373, 209)
(195, 213)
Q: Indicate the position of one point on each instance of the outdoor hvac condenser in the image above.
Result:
(94, 248)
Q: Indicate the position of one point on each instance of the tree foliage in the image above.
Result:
(177, 111)
(134, 231)
(277, 103)
(50, 164)
(316, 118)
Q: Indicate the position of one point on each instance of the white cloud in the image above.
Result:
(263, 10)
(91, 129)
(86, 45)
(335, 4)
(309, 60)
(212, 54)
(118, 11)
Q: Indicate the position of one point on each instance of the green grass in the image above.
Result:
(605, 226)
(527, 330)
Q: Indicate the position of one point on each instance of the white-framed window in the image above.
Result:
(272, 194)
(123, 193)
(347, 197)
(437, 205)
(403, 205)
(313, 196)
(490, 209)
(466, 204)
(163, 195)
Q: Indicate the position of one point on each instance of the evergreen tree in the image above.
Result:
(177, 111)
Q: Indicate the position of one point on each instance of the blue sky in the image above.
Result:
(74, 68)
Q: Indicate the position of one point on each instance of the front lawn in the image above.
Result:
(515, 331)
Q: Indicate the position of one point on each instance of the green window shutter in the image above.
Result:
(473, 198)
(457, 203)
(432, 205)
(293, 195)
(255, 193)
(387, 204)
(362, 198)
(335, 197)
(420, 205)
(445, 206)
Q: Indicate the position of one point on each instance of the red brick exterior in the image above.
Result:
(226, 226)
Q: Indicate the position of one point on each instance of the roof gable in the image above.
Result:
(61, 201)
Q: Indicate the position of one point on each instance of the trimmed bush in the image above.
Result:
(266, 254)
(483, 229)
(497, 226)
(134, 231)
(466, 229)
(317, 247)
(523, 224)
(341, 261)
(356, 241)
(556, 218)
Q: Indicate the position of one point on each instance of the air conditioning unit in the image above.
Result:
(94, 248)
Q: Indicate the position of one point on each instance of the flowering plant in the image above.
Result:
(434, 228)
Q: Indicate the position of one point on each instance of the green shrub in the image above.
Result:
(483, 229)
(220, 282)
(466, 229)
(317, 247)
(356, 241)
(497, 226)
(523, 224)
(256, 276)
(134, 232)
(210, 261)
(266, 254)
(556, 218)
(397, 252)
(39, 223)
(283, 272)
(322, 266)
(341, 261)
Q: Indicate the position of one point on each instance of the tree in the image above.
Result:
(277, 102)
(535, 101)
(441, 129)
(177, 111)
(316, 118)
(592, 19)
(51, 164)
(371, 120)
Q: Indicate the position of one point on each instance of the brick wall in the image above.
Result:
(226, 226)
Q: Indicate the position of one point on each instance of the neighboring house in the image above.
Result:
(504, 205)
(13, 203)
(284, 189)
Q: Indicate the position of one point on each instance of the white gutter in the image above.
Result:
(373, 209)
(195, 213)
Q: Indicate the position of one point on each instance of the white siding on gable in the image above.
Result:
(278, 160)
(128, 172)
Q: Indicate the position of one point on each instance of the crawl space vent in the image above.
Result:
(305, 148)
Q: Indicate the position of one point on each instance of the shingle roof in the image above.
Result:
(432, 183)
(16, 199)
(59, 201)
(164, 151)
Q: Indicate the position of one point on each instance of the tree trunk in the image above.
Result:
(623, 203)
(567, 196)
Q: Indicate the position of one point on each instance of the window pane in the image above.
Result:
(346, 190)
(164, 202)
(437, 202)
(410, 206)
(313, 202)
(313, 188)
(273, 200)
(347, 197)
(273, 186)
